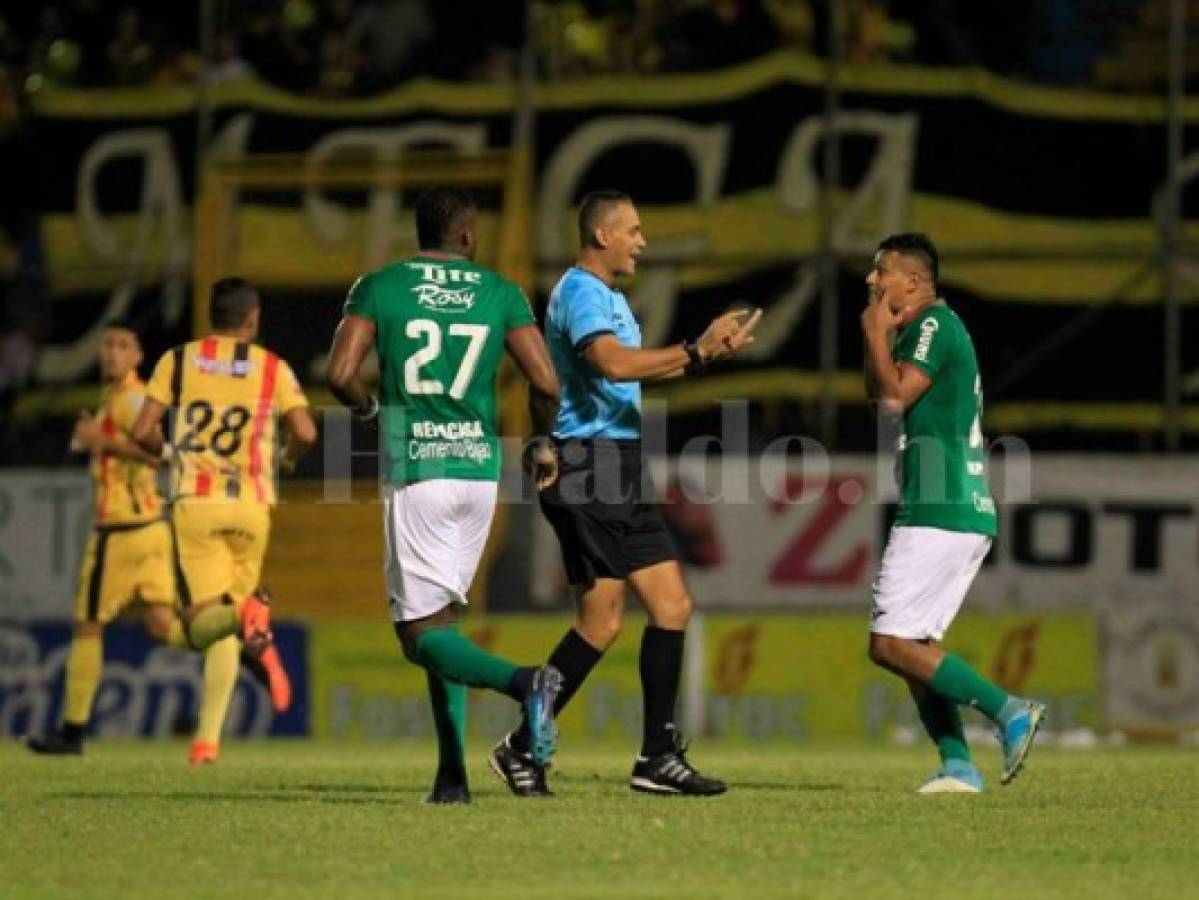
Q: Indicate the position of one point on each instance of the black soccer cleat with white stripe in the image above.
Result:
(518, 771)
(671, 773)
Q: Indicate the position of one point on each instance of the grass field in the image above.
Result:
(339, 820)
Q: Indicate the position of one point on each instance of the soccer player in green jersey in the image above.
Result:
(441, 325)
(921, 367)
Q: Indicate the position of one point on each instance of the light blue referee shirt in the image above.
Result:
(581, 309)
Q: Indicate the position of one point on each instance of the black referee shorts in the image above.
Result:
(602, 510)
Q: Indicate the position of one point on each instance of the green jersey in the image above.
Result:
(943, 476)
(440, 323)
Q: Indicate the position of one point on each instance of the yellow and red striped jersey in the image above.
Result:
(125, 492)
(225, 396)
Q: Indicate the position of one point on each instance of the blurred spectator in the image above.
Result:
(227, 63)
(717, 34)
(23, 307)
(391, 35)
(129, 55)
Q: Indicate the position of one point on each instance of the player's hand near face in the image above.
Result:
(879, 318)
(728, 333)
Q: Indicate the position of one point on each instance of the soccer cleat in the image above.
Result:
(539, 713)
(203, 753)
(517, 770)
(55, 743)
(449, 786)
(258, 643)
(959, 778)
(671, 773)
(1017, 737)
(255, 616)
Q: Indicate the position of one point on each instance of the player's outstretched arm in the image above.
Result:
(351, 343)
(723, 337)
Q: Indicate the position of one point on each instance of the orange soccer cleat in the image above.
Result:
(259, 645)
(203, 753)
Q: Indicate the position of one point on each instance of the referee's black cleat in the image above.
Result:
(449, 787)
(517, 770)
(55, 743)
(670, 773)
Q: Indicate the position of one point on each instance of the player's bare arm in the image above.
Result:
(726, 335)
(353, 340)
(301, 436)
(89, 436)
(146, 431)
(528, 349)
(896, 388)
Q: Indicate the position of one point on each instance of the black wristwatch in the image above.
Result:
(697, 362)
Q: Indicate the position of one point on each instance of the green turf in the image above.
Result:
(336, 820)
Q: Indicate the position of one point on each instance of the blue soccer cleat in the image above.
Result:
(956, 777)
(1017, 738)
(539, 711)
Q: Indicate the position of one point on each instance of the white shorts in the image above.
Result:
(435, 531)
(923, 579)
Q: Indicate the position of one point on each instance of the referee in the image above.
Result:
(600, 504)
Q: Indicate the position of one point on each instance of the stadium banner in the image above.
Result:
(1151, 669)
(1075, 532)
(774, 676)
(146, 689)
(725, 167)
(754, 532)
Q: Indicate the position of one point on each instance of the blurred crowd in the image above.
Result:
(339, 48)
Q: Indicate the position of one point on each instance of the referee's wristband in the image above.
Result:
(697, 363)
(370, 413)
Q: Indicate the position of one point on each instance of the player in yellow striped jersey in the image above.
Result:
(226, 394)
(128, 555)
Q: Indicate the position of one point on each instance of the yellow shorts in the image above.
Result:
(123, 563)
(219, 548)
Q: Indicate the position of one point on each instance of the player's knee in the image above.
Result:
(674, 614)
(881, 650)
(601, 630)
(158, 623)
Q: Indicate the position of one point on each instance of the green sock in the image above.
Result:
(447, 653)
(955, 680)
(212, 624)
(942, 721)
(448, 699)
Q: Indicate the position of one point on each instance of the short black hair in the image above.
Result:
(437, 209)
(592, 208)
(233, 298)
(915, 244)
(123, 323)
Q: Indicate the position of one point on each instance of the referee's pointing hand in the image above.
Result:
(729, 333)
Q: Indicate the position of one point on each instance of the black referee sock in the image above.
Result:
(661, 665)
(574, 658)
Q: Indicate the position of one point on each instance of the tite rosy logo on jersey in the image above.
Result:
(436, 293)
(432, 296)
(927, 329)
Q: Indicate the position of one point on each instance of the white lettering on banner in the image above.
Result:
(878, 204)
(1096, 530)
(131, 700)
(384, 225)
